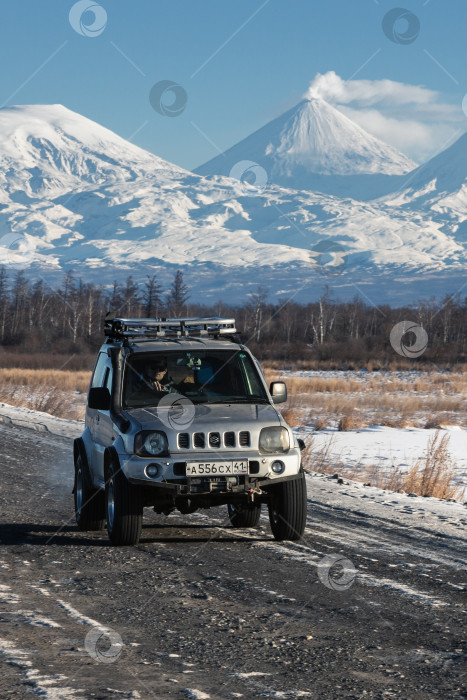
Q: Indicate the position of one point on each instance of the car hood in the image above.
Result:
(222, 417)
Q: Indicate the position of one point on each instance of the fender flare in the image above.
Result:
(110, 454)
(79, 450)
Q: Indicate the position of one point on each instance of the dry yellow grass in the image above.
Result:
(434, 474)
(426, 399)
(386, 398)
(437, 422)
(383, 398)
(350, 423)
(321, 424)
(401, 422)
(371, 366)
(321, 460)
(53, 392)
(64, 380)
(293, 417)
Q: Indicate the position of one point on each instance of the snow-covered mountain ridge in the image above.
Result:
(75, 195)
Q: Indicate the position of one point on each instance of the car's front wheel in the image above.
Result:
(89, 502)
(123, 507)
(246, 515)
(287, 509)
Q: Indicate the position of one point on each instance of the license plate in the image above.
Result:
(216, 468)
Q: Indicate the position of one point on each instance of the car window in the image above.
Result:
(108, 379)
(99, 370)
(204, 376)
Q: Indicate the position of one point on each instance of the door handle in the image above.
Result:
(98, 418)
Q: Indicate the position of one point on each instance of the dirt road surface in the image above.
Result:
(365, 606)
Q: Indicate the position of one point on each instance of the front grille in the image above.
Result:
(199, 440)
(214, 440)
(244, 438)
(183, 440)
(229, 439)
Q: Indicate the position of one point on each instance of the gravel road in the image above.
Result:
(364, 606)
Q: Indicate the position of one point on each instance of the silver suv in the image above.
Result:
(179, 416)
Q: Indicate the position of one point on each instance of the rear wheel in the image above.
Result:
(89, 502)
(287, 509)
(246, 515)
(123, 506)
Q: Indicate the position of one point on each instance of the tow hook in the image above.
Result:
(251, 494)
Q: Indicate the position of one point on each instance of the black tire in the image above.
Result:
(123, 507)
(89, 502)
(244, 515)
(287, 509)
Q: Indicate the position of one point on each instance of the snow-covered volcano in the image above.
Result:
(315, 147)
(75, 195)
(48, 149)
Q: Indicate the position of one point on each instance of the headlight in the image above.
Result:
(151, 443)
(278, 467)
(152, 470)
(274, 440)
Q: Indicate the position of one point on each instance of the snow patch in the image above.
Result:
(40, 421)
(32, 618)
(79, 617)
(38, 682)
(389, 448)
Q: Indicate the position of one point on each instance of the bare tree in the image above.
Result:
(152, 297)
(177, 296)
(3, 302)
(130, 297)
(34, 315)
(257, 304)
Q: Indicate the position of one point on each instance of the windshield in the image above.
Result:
(204, 376)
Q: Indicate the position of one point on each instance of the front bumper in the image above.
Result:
(172, 477)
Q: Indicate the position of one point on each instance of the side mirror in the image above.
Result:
(99, 398)
(278, 391)
(301, 444)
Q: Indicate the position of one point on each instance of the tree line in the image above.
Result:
(36, 317)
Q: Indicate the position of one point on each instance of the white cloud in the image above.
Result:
(412, 118)
(332, 88)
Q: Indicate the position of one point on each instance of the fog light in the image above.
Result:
(152, 470)
(278, 467)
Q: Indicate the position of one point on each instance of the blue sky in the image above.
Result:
(241, 64)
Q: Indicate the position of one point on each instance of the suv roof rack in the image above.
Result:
(126, 328)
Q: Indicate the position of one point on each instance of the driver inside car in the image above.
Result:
(156, 377)
(148, 377)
